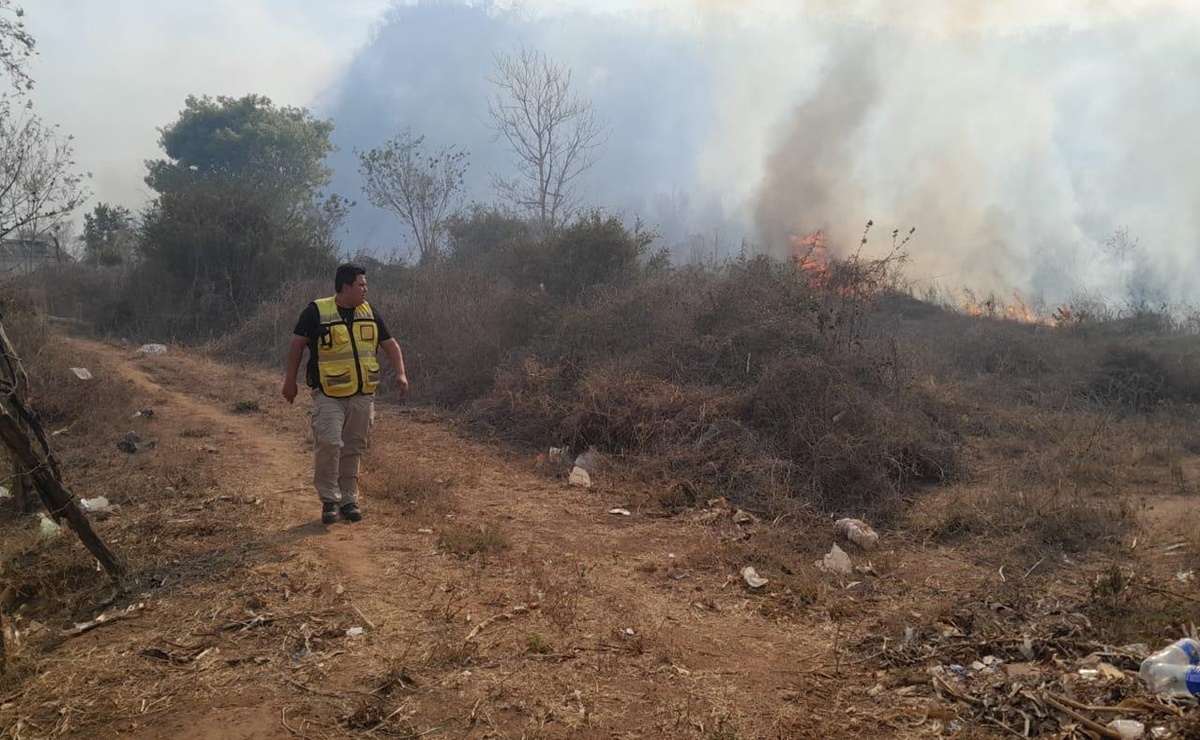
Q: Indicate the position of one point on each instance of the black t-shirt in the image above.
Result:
(309, 327)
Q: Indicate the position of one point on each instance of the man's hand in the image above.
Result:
(289, 389)
(402, 385)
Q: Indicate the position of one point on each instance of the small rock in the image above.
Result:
(744, 517)
(752, 578)
(153, 349)
(49, 527)
(580, 477)
(355, 632)
(82, 373)
(620, 512)
(836, 561)
(130, 443)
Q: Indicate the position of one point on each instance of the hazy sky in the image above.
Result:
(1016, 136)
(111, 73)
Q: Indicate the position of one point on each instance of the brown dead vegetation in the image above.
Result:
(1030, 482)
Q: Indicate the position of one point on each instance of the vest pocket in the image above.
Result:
(335, 381)
(371, 367)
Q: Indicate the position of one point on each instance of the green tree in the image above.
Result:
(239, 210)
(423, 189)
(108, 234)
(594, 250)
(280, 150)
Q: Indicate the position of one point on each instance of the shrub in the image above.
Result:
(1131, 378)
(595, 250)
(728, 384)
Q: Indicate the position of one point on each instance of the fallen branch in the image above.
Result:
(1172, 594)
(956, 693)
(369, 623)
(522, 609)
(283, 719)
(313, 691)
(107, 618)
(1096, 727)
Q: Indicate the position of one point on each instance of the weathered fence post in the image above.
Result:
(23, 436)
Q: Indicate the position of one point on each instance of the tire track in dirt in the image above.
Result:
(263, 464)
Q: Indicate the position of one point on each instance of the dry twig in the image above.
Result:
(1096, 727)
(522, 609)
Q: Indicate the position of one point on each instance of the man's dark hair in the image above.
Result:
(346, 275)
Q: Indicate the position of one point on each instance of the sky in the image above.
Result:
(1016, 137)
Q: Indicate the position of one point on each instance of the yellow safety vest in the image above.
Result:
(346, 360)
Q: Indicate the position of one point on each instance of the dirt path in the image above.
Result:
(480, 597)
(580, 622)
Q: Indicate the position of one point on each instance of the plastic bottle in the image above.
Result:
(1174, 670)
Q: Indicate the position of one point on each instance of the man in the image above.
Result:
(343, 335)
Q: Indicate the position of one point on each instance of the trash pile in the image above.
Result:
(734, 523)
(1057, 686)
(582, 467)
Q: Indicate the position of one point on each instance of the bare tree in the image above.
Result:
(38, 186)
(16, 46)
(422, 189)
(554, 135)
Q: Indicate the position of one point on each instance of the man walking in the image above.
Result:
(343, 335)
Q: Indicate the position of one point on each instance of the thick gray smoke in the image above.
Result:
(1016, 138)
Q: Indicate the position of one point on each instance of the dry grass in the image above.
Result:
(473, 539)
(419, 492)
(696, 386)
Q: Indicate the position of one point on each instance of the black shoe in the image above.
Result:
(329, 512)
(351, 513)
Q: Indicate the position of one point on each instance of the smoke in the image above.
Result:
(1016, 137)
(1009, 134)
(806, 182)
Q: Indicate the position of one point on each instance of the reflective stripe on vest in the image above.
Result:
(346, 356)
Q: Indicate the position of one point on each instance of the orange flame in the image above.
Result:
(811, 255)
(993, 307)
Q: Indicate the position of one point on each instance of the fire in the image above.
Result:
(997, 308)
(1020, 311)
(811, 254)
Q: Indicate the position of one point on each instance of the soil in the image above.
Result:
(497, 601)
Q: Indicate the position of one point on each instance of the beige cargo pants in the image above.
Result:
(341, 427)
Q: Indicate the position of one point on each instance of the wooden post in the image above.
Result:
(21, 433)
(23, 494)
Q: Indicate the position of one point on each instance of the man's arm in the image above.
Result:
(392, 349)
(295, 354)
